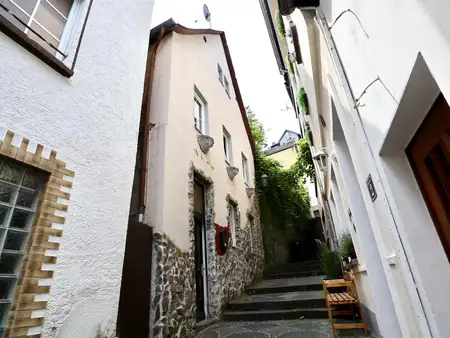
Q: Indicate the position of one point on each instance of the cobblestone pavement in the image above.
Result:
(306, 328)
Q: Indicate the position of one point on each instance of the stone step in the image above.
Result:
(310, 265)
(298, 313)
(278, 301)
(290, 274)
(286, 285)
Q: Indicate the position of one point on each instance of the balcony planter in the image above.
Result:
(250, 192)
(288, 6)
(205, 142)
(232, 172)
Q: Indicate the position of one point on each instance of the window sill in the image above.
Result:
(33, 47)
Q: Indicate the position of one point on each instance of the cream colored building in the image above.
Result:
(200, 178)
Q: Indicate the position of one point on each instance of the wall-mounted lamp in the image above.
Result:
(265, 180)
(322, 159)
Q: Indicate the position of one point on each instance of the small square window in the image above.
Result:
(227, 146)
(227, 86)
(220, 74)
(200, 113)
(245, 170)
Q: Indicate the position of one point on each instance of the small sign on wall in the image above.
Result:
(371, 188)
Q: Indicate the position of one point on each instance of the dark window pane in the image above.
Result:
(10, 264)
(15, 240)
(7, 287)
(11, 172)
(4, 309)
(33, 179)
(21, 219)
(50, 19)
(6, 192)
(26, 5)
(4, 211)
(63, 6)
(26, 198)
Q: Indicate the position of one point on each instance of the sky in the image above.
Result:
(261, 84)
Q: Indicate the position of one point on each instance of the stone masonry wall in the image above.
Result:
(173, 302)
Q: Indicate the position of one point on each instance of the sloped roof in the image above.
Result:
(169, 26)
(288, 131)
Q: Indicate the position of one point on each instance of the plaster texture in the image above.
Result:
(92, 121)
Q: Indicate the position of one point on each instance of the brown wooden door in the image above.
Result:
(429, 155)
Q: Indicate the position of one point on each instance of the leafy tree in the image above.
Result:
(284, 203)
(304, 166)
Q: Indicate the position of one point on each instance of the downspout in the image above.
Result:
(146, 102)
(321, 20)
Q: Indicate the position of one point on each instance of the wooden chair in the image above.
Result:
(349, 298)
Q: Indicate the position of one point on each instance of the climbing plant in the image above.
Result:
(303, 100)
(283, 202)
(304, 165)
(289, 65)
(280, 24)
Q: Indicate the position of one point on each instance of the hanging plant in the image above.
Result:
(303, 101)
(280, 24)
(289, 65)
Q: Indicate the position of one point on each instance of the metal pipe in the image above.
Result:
(145, 110)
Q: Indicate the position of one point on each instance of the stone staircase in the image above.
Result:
(290, 291)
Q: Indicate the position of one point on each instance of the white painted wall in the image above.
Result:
(185, 61)
(405, 56)
(91, 120)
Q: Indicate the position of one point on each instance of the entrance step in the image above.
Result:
(278, 301)
(264, 315)
(290, 274)
(283, 285)
(292, 267)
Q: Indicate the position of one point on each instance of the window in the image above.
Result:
(220, 74)
(227, 146)
(47, 18)
(245, 170)
(233, 224)
(19, 193)
(200, 112)
(227, 86)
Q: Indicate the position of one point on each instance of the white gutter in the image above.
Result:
(417, 303)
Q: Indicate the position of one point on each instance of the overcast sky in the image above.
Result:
(257, 72)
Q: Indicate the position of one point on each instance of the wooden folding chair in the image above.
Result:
(349, 297)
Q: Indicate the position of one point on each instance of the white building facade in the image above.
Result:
(377, 87)
(72, 75)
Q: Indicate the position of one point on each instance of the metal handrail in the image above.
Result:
(31, 29)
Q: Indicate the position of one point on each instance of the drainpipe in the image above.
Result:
(321, 21)
(145, 109)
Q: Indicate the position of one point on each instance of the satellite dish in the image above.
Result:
(206, 13)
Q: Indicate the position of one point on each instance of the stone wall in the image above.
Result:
(173, 302)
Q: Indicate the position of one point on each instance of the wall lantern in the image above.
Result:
(322, 159)
(265, 180)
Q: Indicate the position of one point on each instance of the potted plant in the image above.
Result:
(346, 248)
(330, 261)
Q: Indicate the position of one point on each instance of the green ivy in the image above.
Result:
(345, 245)
(284, 203)
(280, 24)
(304, 165)
(289, 65)
(303, 100)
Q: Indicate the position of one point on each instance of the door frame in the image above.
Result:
(203, 239)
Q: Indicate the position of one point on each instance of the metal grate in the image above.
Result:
(19, 193)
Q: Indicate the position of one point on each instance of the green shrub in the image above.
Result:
(346, 245)
(330, 260)
(280, 24)
(303, 101)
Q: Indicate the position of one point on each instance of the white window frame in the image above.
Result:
(227, 147)
(203, 113)
(233, 224)
(220, 74)
(70, 20)
(227, 86)
(245, 171)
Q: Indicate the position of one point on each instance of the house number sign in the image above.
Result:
(371, 188)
